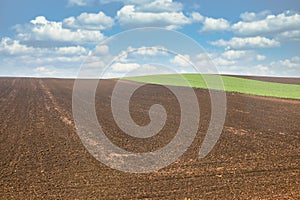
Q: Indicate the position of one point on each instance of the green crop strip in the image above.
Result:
(231, 84)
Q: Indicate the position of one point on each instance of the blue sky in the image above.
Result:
(52, 38)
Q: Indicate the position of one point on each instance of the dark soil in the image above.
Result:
(42, 157)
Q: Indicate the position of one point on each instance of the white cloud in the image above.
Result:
(13, 47)
(230, 61)
(197, 17)
(220, 62)
(270, 25)
(251, 16)
(90, 21)
(135, 2)
(248, 42)
(181, 60)
(237, 57)
(130, 59)
(160, 6)
(211, 24)
(129, 16)
(244, 69)
(296, 59)
(25, 60)
(289, 35)
(242, 55)
(71, 50)
(101, 50)
(124, 67)
(262, 70)
(260, 57)
(78, 2)
(141, 54)
(235, 54)
(40, 29)
(286, 67)
(253, 66)
(150, 51)
(42, 71)
(254, 70)
(134, 69)
(51, 71)
(287, 63)
(44, 59)
(142, 5)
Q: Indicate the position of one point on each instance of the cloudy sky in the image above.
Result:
(52, 38)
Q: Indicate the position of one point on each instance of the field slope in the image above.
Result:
(231, 84)
(42, 157)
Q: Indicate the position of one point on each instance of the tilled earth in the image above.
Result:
(41, 155)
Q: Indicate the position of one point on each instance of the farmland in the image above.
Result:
(231, 84)
(42, 157)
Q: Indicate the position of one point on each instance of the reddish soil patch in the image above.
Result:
(41, 156)
(271, 79)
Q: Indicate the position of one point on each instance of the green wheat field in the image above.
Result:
(230, 84)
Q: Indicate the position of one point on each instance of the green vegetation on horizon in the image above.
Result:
(231, 84)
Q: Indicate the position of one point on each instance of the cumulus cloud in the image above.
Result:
(13, 47)
(158, 13)
(235, 54)
(52, 71)
(211, 25)
(150, 51)
(289, 35)
(181, 60)
(197, 17)
(43, 63)
(136, 2)
(293, 63)
(247, 42)
(101, 50)
(90, 21)
(129, 16)
(142, 5)
(34, 61)
(124, 67)
(78, 2)
(270, 25)
(249, 63)
(242, 55)
(160, 6)
(221, 62)
(70, 50)
(133, 69)
(252, 16)
(141, 53)
(260, 57)
(132, 61)
(230, 61)
(234, 57)
(41, 71)
(285, 67)
(40, 29)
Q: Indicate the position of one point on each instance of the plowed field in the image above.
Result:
(41, 155)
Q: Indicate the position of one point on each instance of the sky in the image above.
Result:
(61, 38)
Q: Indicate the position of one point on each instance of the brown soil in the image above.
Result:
(285, 80)
(41, 156)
